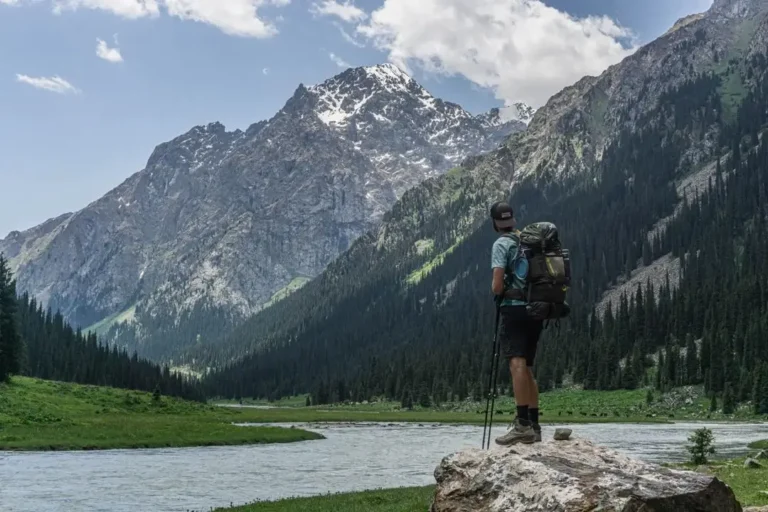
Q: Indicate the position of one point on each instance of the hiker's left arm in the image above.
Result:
(498, 264)
(498, 281)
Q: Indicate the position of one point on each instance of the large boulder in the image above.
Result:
(571, 476)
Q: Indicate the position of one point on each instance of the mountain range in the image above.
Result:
(220, 223)
(371, 197)
(632, 166)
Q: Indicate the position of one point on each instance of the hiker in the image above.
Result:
(518, 333)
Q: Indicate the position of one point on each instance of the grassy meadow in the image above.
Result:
(560, 406)
(46, 415)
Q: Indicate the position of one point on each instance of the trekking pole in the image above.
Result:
(495, 370)
(492, 381)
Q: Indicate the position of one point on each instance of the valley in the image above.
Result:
(298, 315)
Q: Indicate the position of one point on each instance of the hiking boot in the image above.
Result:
(537, 430)
(517, 433)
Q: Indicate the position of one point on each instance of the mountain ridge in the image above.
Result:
(558, 154)
(220, 221)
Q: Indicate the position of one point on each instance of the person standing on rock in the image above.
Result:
(518, 333)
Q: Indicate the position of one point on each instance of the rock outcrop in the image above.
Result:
(571, 476)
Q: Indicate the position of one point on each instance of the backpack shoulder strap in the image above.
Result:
(514, 236)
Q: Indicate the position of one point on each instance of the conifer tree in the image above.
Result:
(10, 341)
(729, 405)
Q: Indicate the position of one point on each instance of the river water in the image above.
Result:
(353, 457)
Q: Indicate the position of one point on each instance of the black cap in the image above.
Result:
(502, 215)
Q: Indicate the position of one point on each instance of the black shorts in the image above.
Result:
(519, 334)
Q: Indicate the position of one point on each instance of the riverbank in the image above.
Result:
(560, 406)
(409, 499)
(747, 484)
(45, 415)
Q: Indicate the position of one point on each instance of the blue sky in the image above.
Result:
(190, 62)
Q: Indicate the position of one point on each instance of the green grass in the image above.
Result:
(561, 406)
(759, 445)
(390, 500)
(102, 327)
(421, 273)
(331, 415)
(284, 292)
(45, 415)
(733, 89)
(424, 246)
(747, 484)
(288, 401)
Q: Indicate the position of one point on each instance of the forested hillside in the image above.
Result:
(39, 343)
(398, 333)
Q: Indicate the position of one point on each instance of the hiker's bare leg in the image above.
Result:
(520, 380)
(533, 387)
(521, 430)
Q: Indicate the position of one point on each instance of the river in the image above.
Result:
(352, 457)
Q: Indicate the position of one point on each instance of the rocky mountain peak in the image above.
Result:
(522, 112)
(491, 118)
(685, 21)
(340, 98)
(200, 230)
(519, 113)
(738, 8)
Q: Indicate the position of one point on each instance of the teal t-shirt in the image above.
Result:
(502, 253)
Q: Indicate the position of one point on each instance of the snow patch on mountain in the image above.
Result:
(517, 112)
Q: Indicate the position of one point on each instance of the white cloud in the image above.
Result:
(54, 84)
(521, 49)
(265, 71)
(348, 37)
(339, 61)
(107, 53)
(132, 9)
(347, 11)
(233, 17)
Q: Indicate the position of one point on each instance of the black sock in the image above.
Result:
(522, 414)
(533, 414)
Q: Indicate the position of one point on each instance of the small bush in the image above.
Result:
(702, 445)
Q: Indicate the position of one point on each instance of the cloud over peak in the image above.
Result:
(339, 61)
(346, 11)
(523, 50)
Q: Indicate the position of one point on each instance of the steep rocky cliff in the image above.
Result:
(218, 222)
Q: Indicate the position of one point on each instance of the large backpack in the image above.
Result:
(548, 274)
